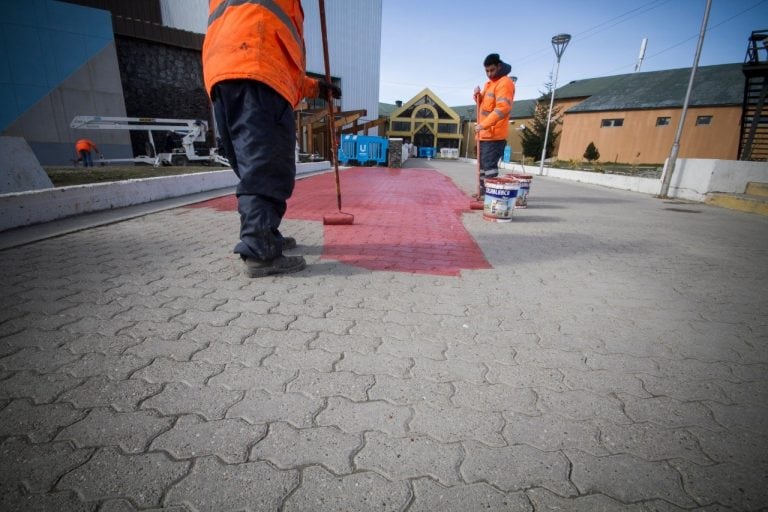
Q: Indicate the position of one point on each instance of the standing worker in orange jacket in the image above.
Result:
(83, 147)
(254, 70)
(492, 127)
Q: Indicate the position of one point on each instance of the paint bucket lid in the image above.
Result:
(520, 176)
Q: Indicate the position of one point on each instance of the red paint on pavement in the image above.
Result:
(406, 220)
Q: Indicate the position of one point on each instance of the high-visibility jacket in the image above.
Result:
(85, 145)
(259, 40)
(495, 107)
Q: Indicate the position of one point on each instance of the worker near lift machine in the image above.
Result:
(254, 70)
(492, 125)
(83, 148)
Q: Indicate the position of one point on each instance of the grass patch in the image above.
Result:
(66, 176)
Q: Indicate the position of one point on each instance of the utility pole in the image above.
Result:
(670, 167)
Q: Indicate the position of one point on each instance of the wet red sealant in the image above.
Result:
(406, 220)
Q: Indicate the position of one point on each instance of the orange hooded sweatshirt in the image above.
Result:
(497, 97)
(261, 41)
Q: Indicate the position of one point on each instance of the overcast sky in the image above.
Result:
(441, 44)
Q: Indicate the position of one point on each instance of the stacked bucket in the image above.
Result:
(504, 194)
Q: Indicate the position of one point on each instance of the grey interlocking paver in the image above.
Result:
(115, 367)
(178, 350)
(458, 424)
(176, 398)
(131, 431)
(225, 353)
(650, 441)
(520, 376)
(314, 359)
(110, 474)
(480, 353)
(735, 445)
(139, 313)
(551, 432)
(100, 391)
(38, 466)
(195, 316)
(37, 338)
(429, 495)
(199, 304)
(411, 391)
(291, 339)
(322, 491)
(90, 325)
(610, 475)
(604, 382)
(692, 369)
(622, 363)
(204, 333)
(412, 348)
(749, 417)
(234, 487)
(371, 364)
(235, 376)
(259, 406)
(40, 388)
(752, 392)
(38, 422)
(253, 321)
(97, 343)
(192, 373)
(727, 484)
(494, 397)
(516, 468)
(287, 447)
(345, 343)
(669, 412)
(543, 499)
(41, 360)
(582, 405)
(14, 500)
(238, 301)
(171, 330)
(192, 437)
(354, 314)
(378, 329)
(326, 384)
(353, 417)
(448, 371)
(412, 456)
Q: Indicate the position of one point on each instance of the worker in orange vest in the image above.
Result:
(83, 148)
(254, 71)
(492, 127)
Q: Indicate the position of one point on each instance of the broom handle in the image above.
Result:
(477, 145)
(329, 100)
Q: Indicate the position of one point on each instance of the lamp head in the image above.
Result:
(559, 42)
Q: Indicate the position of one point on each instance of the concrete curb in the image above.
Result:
(38, 206)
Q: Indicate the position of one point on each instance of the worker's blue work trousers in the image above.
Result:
(258, 135)
(491, 152)
(85, 156)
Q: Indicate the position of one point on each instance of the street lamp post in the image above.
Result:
(559, 42)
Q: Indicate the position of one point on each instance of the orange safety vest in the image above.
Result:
(495, 107)
(259, 40)
(84, 145)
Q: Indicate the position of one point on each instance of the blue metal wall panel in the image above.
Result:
(42, 42)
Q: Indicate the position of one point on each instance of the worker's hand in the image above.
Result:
(476, 95)
(478, 127)
(326, 88)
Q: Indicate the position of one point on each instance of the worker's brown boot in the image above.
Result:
(279, 265)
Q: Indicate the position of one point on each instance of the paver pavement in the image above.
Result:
(612, 358)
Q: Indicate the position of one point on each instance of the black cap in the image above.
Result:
(492, 59)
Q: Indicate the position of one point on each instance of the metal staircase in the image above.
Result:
(754, 119)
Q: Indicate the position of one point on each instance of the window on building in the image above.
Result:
(447, 128)
(401, 126)
(607, 123)
(703, 120)
(662, 121)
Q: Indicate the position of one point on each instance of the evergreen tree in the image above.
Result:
(591, 154)
(532, 137)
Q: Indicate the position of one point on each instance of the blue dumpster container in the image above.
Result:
(507, 154)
